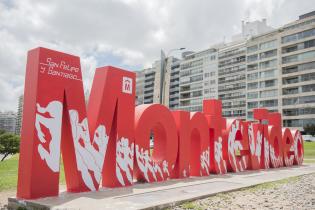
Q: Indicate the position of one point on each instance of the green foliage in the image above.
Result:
(9, 144)
(310, 129)
(2, 131)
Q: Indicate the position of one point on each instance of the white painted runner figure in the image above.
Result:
(218, 154)
(143, 161)
(87, 157)
(165, 167)
(124, 160)
(53, 124)
(205, 160)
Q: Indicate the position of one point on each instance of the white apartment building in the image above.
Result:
(297, 47)
(198, 79)
(262, 68)
(281, 72)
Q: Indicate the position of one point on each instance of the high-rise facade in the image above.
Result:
(198, 79)
(159, 84)
(232, 79)
(263, 75)
(8, 121)
(173, 94)
(19, 116)
(297, 69)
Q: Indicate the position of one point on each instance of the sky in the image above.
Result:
(124, 33)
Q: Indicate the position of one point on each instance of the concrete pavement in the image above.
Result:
(163, 194)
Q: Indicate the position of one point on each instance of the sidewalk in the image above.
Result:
(163, 194)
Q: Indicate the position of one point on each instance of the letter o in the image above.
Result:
(156, 118)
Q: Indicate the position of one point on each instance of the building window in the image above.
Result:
(252, 86)
(251, 105)
(252, 58)
(252, 95)
(299, 57)
(289, 91)
(299, 46)
(252, 76)
(252, 67)
(298, 122)
(298, 36)
(298, 68)
(267, 74)
(298, 100)
(300, 111)
(268, 45)
(251, 49)
(268, 64)
(268, 93)
(308, 77)
(268, 83)
(268, 103)
(308, 88)
(268, 54)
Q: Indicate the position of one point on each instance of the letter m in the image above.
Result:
(95, 145)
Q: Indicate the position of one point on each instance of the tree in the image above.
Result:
(2, 131)
(310, 129)
(9, 144)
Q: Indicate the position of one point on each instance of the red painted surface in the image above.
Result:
(111, 140)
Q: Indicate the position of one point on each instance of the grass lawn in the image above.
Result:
(309, 150)
(8, 168)
(9, 171)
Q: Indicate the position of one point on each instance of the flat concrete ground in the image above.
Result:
(165, 194)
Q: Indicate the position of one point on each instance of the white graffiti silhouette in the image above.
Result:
(165, 167)
(146, 165)
(53, 124)
(298, 139)
(251, 139)
(184, 173)
(258, 146)
(288, 159)
(124, 160)
(255, 149)
(276, 161)
(87, 157)
(218, 156)
(266, 151)
(205, 160)
(235, 145)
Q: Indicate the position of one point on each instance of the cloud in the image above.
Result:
(125, 33)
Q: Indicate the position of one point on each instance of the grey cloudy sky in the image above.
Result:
(123, 33)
